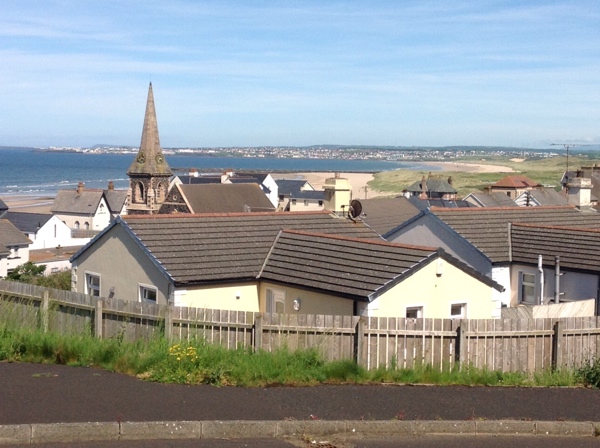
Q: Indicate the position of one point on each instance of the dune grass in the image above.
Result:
(197, 362)
(546, 171)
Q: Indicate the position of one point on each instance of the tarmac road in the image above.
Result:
(36, 393)
(32, 395)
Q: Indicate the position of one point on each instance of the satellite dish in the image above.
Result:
(355, 208)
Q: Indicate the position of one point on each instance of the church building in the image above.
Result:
(149, 173)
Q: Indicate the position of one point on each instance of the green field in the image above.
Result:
(546, 171)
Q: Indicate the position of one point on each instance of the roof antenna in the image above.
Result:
(567, 146)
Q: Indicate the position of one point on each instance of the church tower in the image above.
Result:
(149, 173)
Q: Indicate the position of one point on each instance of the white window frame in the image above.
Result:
(275, 299)
(463, 310)
(533, 284)
(418, 308)
(144, 289)
(90, 289)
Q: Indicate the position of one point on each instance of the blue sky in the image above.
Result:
(250, 73)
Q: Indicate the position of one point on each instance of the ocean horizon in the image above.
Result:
(27, 172)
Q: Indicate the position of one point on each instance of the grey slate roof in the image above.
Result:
(487, 228)
(433, 184)
(225, 198)
(547, 196)
(577, 248)
(200, 179)
(115, 199)
(224, 247)
(290, 187)
(347, 267)
(84, 203)
(28, 222)
(385, 214)
(492, 199)
(10, 236)
(424, 204)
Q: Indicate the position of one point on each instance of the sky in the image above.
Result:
(519, 73)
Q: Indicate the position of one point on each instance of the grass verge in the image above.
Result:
(197, 362)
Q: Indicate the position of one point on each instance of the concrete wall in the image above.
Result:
(12, 261)
(52, 234)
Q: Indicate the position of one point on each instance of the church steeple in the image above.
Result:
(150, 159)
(149, 173)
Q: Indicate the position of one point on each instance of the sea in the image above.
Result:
(31, 172)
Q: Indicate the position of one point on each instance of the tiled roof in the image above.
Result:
(384, 214)
(433, 184)
(27, 222)
(487, 228)
(344, 266)
(516, 181)
(424, 204)
(70, 201)
(218, 247)
(10, 236)
(225, 198)
(200, 179)
(492, 199)
(577, 248)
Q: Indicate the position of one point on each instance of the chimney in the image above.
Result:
(79, 187)
(579, 191)
(111, 185)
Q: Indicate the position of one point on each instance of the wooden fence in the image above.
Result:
(509, 345)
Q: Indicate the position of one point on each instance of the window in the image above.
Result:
(275, 301)
(527, 288)
(320, 203)
(458, 311)
(147, 294)
(306, 202)
(293, 202)
(86, 225)
(414, 312)
(76, 225)
(54, 230)
(92, 285)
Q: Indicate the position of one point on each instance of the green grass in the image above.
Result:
(546, 171)
(197, 362)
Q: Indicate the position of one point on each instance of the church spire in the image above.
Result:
(150, 159)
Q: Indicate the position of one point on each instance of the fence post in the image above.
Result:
(461, 346)
(359, 342)
(557, 345)
(258, 331)
(99, 319)
(45, 310)
(169, 323)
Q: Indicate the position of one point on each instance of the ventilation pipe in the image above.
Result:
(541, 271)
(557, 275)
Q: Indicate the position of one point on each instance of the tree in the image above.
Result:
(27, 272)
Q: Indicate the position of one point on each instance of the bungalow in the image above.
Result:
(249, 262)
(480, 237)
(514, 185)
(298, 195)
(207, 261)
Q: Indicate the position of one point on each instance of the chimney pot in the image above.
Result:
(111, 185)
(80, 186)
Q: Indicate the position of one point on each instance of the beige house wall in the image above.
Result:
(310, 302)
(241, 297)
(121, 265)
(436, 294)
(97, 221)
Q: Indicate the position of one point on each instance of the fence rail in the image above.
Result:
(509, 345)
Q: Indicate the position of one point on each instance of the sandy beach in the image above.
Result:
(358, 182)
